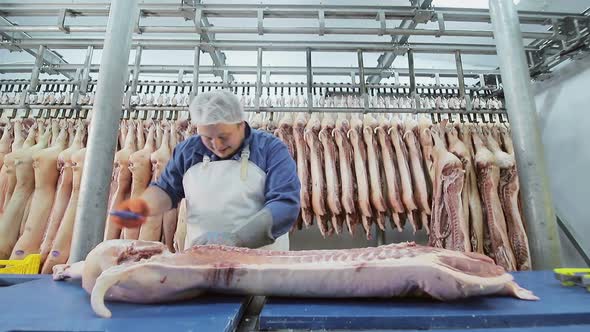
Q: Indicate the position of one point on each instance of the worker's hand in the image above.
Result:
(123, 218)
(222, 238)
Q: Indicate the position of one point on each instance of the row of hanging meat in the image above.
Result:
(458, 182)
(42, 167)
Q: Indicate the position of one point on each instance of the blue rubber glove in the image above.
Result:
(253, 233)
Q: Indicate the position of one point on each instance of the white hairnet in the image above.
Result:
(217, 106)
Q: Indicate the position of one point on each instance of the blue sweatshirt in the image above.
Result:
(266, 151)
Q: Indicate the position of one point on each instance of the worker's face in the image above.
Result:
(222, 139)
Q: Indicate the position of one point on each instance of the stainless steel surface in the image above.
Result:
(94, 188)
(534, 185)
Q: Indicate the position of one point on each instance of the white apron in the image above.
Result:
(220, 195)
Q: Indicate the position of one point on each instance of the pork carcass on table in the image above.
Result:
(146, 272)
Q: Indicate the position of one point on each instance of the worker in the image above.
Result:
(240, 184)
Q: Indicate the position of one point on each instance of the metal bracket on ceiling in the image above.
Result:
(187, 8)
(382, 22)
(226, 78)
(482, 82)
(322, 20)
(138, 29)
(10, 43)
(400, 50)
(260, 18)
(441, 24)
(62, 19)
(198, 17)
(423, 15)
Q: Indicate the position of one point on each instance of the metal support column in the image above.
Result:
(364, 95)
(102, 140)
(309, 79)
(538, 208)
(37, 69)
(461, 79)
(412, 71)
(196, 68)
(258, 79)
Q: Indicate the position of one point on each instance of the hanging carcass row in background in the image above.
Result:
(456, 181)
(43, 163)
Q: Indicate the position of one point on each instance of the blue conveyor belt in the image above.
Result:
(41, 304)
(558, 306)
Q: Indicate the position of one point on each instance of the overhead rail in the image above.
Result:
(568, 35)
(232, 10)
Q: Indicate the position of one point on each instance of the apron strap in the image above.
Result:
(244, 160)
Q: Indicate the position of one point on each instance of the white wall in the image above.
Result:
(563, 105)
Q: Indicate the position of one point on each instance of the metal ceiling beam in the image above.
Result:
(201, 23)
(232, 10)
(386, 59)
(405, 30)
(279, 45)
(274, 70)
(49, 57)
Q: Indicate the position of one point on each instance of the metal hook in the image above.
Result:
(13, 115)
(47, 114)
(27, 113)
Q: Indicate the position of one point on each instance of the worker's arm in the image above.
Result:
(161, 196)
(158, 201)
(282, 201)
